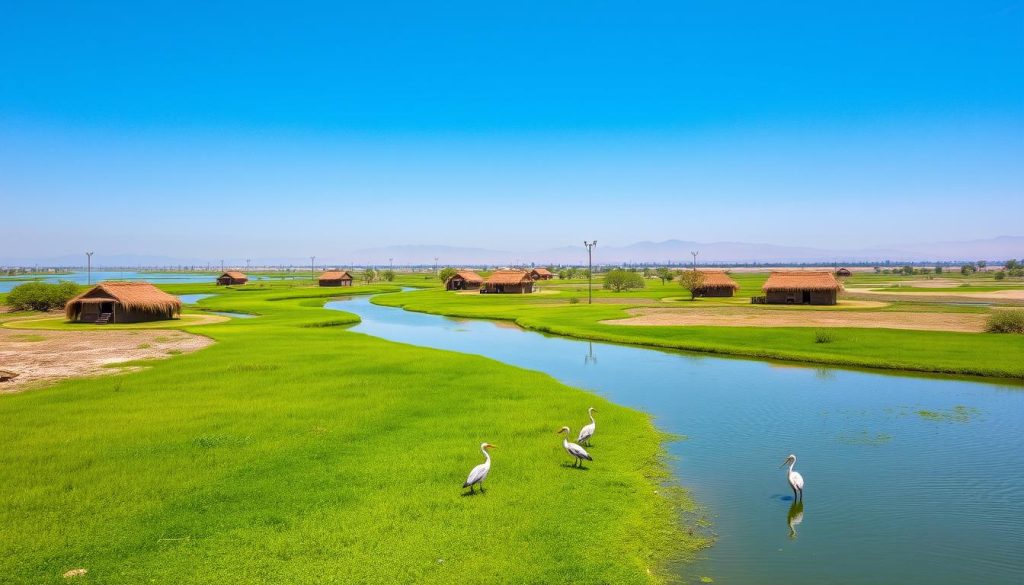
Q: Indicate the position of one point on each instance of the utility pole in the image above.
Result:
(88, 262)
(247, 261)
(694, 254)
(590, 270)
(391, 264)
(222, 265)
(312, 267)
(435, 265)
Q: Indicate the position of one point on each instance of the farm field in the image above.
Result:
(293, 450)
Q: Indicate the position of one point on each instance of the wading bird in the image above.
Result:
(588, 431)
(479, 473)
(796, 481)
(573, 449)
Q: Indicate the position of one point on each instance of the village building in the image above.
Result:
(802, 288)
(232, 277)
(541, 274)
(335, 278)
(122, 302)
(508, 282)
(716, 283)
(844, 272)
(464, 280)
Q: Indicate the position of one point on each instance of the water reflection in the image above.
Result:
(590, 358)
(795, 517)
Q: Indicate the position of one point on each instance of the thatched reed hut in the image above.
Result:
(716, 283)
(802, 288)
(541, 274)
(335, 278)
(844, 272)
(232, 277)
(122, 302)
(508, 282)
(464, 280)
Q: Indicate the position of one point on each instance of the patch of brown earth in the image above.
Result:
(51, 355)
(744, 317)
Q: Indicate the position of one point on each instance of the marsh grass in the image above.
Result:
(824, 336)
(289, 453)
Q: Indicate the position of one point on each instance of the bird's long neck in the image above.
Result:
(591, 413)
(565, 439)
(791, 464)
(487, 455)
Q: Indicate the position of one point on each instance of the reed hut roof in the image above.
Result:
(718, 279)
(508, 277)
(140, 296)
(336, 275)
(543, 272)
(801, 280)
(234, 274)
(469, 276)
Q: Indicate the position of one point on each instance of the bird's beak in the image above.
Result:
(784, 463)
(489, 446)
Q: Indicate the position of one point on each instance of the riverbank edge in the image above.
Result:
(988, 375)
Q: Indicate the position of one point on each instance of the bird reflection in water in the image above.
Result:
(795, 517)
(590, 358)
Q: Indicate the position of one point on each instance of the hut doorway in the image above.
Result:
(107, 307)
(807, 297)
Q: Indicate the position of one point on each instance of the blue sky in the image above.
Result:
(324, 129)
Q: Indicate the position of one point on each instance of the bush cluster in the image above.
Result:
(40, 296)
(1010, 321)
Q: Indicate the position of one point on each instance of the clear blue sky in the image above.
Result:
(286, 129)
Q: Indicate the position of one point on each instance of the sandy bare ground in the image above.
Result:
(749, 317)
(51, 355)
(1009, 294)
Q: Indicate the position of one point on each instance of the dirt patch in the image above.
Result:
(748, 317)
(1009, 294)
(52, 355)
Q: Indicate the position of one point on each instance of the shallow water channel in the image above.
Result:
(908, 479)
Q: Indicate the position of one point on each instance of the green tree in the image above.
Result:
(387, 275)
(967, 269)
(1000, 275)
(938, 270)
(446, 273)
(369, 275)
(981, 265)
(1011, 264)
(619, 280)
(691, 280)
(907, 270)
(665, 275)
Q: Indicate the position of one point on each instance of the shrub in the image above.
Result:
(938, 270)
(40, 296)
(824, 336)
(1000, 275)
(574, 300)
(1010, 321)
(446, 273)
(620, 280)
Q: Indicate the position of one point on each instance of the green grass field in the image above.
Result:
(979, 354)
(296, 451)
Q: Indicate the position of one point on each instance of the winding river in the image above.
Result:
(908, 479)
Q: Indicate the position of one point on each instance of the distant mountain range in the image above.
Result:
(669, 251)
(678, 251)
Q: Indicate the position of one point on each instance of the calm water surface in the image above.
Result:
(908, 480)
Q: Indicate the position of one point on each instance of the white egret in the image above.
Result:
(796, 481)
(588, 431)
(573, 449)
(479, 473)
